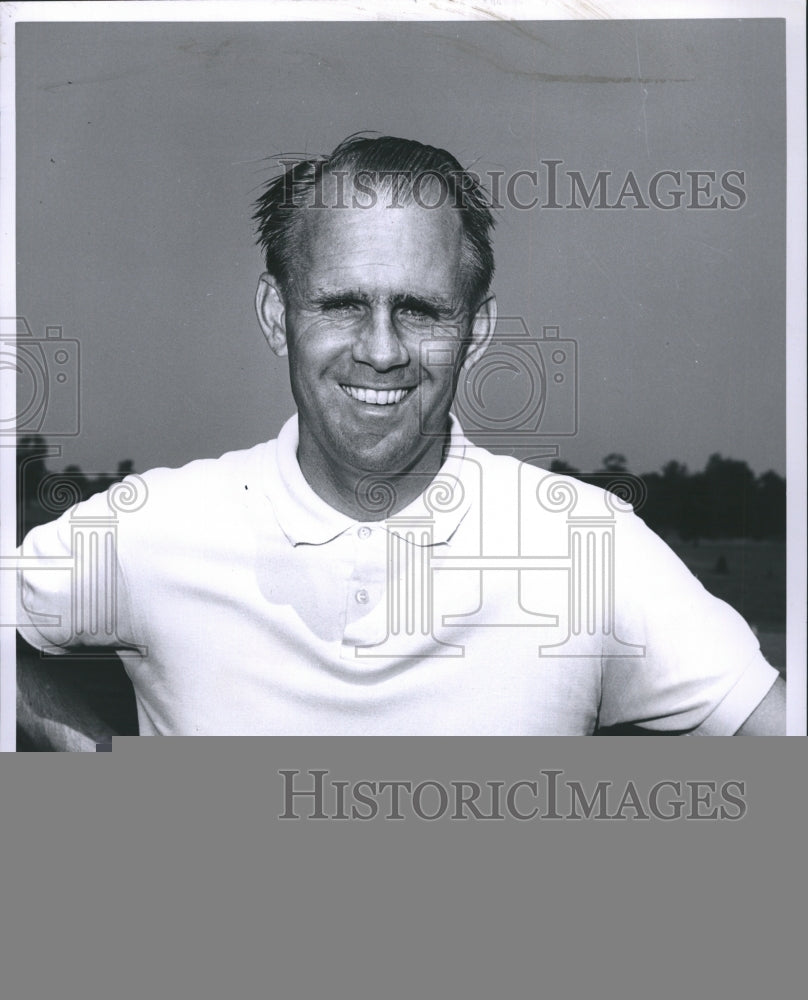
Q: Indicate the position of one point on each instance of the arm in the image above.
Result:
(72, 701)
(50, 710)
(769, 718)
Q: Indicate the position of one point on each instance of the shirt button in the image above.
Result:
(364, 532)
(362, 597)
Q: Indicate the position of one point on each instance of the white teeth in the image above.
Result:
(379, 397)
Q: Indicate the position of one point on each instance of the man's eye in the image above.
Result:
(341, 308)
(417, 314)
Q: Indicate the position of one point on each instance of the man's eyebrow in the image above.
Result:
(321, 295)
(435, 303)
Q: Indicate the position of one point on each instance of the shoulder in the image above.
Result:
(549, 509)
(504, 477)
(174, 498)
(204, 479)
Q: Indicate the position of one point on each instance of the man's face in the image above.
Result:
(374, 283)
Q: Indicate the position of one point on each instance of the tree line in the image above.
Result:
(724, 500)
(43, 494)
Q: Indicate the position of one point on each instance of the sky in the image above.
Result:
(141, 147)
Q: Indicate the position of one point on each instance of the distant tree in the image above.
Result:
(694, 517)
(31, 452)
(31, 470)
(564, 468)
(32, 473)
(655, 511)
(615, 462)
(666, 498)
(674, 471)
(679, 512)
(724, 500)
(731, 495)
(771, 503)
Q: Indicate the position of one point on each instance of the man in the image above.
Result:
(371, 571)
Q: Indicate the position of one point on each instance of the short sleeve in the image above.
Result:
(700, 668)
(71, 591)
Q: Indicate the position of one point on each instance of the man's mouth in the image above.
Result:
(377, 397)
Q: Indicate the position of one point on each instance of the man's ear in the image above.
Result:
(482, 331)
(271, 312)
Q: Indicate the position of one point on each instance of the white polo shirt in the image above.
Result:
(504, 600)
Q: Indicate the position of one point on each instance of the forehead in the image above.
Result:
(403, 247)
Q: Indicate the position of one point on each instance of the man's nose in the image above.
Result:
(380, 344)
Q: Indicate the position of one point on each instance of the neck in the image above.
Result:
(370, 495)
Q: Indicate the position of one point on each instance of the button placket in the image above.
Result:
(365, 595)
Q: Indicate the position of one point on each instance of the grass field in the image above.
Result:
(752, 578)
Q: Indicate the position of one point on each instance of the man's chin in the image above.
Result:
(390, 456)
(384, 464)
(385, 485)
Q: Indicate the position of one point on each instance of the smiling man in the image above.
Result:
(371, 571)
(371, 283)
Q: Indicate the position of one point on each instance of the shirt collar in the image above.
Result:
(304, 517)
